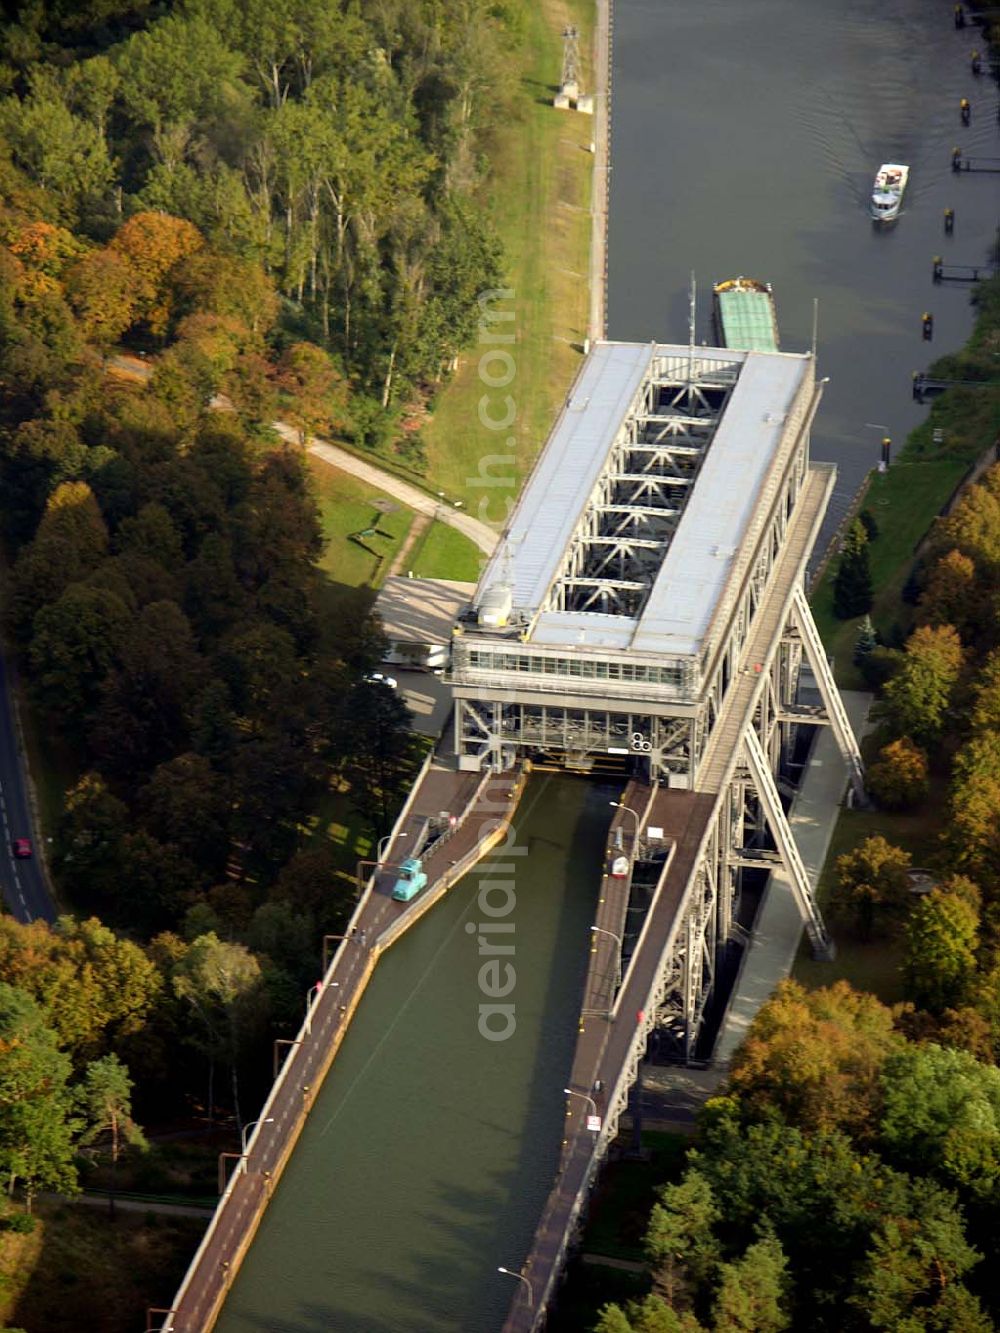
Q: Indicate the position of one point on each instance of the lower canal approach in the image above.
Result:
(430, 1151)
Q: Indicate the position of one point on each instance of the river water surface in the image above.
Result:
(745, 137)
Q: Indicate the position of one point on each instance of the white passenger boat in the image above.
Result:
(887, 192)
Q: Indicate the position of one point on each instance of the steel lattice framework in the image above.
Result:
(624, 532)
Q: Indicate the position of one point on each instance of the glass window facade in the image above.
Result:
(492, 660)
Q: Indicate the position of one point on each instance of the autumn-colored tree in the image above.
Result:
(45, 251)
(153, 243)
(899, 777)
(973, 526)
(950, 594)
(973, 829)
(315, 392)
(814, 1056)
(71, 540)
(101, 291)
(917, 698)
(984, 713)
(231, 288)
(942, 935)
(871, 881)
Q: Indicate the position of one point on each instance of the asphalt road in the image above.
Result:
(25, 890)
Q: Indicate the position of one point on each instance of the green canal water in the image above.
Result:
(430, 1151)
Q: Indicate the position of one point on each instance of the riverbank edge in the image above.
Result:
(955, 467)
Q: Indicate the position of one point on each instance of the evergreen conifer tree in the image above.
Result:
(866, 642)
(852, 587)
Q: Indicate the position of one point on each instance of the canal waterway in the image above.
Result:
(429, 1154)
(745, 138)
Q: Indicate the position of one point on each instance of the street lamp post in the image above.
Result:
(326, 940)
(521, 1278)
(589, 1100)
(312, 995)
(620, 805)
(383, 842)
(599, 930)
(263, 1120)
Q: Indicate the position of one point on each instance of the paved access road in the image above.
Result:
(479, 533)
(25, 890)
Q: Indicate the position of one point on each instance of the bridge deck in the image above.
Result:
(603, 1047)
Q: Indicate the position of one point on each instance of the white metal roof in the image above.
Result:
(722, 502)
(567, 471)
(714, 522)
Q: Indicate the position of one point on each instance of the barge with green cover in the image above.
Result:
(744, 314)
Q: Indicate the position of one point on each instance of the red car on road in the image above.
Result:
(22, 847)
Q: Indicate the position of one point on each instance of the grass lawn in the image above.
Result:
(347, 506)
(446, 554)
(539, 200)
(904, 501)
(872, 965)
(79, 1270)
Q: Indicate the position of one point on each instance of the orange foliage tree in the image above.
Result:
(899, 777)
(153, 243)
(101, 291)
(815, 1056)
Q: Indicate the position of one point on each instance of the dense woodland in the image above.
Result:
(848, 1177)
(277, 204)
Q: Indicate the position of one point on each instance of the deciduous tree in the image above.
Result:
(899, 778)
(100, 289)
(37, 1126)
(871, 882)
(917, 698)
(942, 935)
(814, 1057)
(222, 984)
(153, 243)
(941, 1114)
(950, 595)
